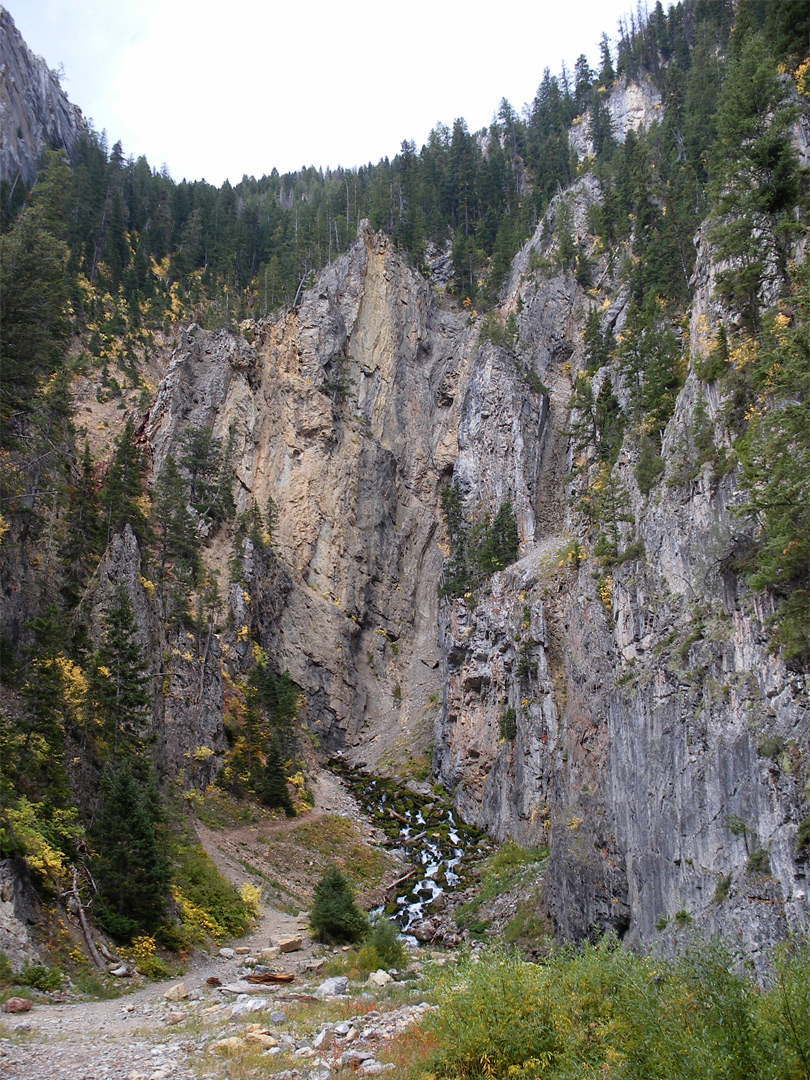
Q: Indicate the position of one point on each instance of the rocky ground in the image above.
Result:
(310, 1028)
(212, 1022)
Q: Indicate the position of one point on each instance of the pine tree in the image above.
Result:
(34, 325)
(501, 542)
(335, 917)
(457, 577)
(756, 177)
(273, 787)
(606, 72)
(132, 874)
(119, 680)
(179, 562)
(775, 455)
(81, 542)
(122, 491)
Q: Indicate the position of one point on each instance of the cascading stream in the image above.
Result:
(424, 831)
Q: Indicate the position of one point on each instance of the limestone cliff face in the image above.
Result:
(632, 106)
(34, 112)
(656, 743)
(346, 414)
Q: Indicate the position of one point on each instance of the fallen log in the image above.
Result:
(270, 977)
(86, 932)
(392, 888)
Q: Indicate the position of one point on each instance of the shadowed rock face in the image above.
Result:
(657, 745)
(34, 112)
(19, 910)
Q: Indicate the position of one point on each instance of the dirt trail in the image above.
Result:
(141, 1036)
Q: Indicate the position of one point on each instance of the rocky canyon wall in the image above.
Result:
(35, 113)
(634, 721)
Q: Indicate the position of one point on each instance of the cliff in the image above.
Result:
(657, 744)
(345, 413)
(35, 114)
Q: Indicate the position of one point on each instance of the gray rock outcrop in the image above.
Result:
(35, 113)
(20, 909)
(632, 106)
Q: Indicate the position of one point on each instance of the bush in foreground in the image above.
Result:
(382, 947)
(601, 1011)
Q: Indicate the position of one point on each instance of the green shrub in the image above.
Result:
(507, 724)
(759, 862)
(722, 890)
(600, 1010)
(154, 967)
(803, 834)
(121, 927)
(209, 905)
(383, 940)
(41, 978)
(334, 916)
(494, 1020)
(650, 465)
(784, 1014)
(771, 746)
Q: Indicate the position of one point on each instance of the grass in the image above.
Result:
(219, 809)
(503, 872)
(335, 839)
(527, 928)
(97, 987)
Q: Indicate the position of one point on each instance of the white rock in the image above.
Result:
(334, 987)
(245, 1006)
(379, 978)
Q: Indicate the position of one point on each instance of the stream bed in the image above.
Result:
(424, 830)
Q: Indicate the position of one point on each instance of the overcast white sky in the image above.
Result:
(216, 90)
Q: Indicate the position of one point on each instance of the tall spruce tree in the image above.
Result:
(34, 325)
(123, 498)
(273, 786)
(132, 873)
(756, 178)
(119, 681)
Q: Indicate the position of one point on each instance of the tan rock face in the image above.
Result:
(345, 414)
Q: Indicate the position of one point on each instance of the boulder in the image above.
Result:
(17, 1005)
(379, 978)
(334, 987)
(290, 944)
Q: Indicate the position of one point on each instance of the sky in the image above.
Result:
(220, 90)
